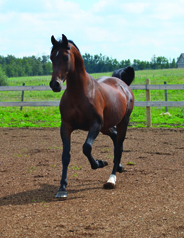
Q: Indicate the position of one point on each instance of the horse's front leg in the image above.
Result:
(65, 136)
(87, 147)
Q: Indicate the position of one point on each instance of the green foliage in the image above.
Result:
(26, 66)
(76, 167)
(3, 78)
(35, 117)
(171, 76)
(100, 63)
(32, 66)
(32, 169)
(50, 116)
(130, 163)
(33, 200)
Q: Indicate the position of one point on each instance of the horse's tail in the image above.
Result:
(127, 74)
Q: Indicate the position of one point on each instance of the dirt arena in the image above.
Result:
(148, 200)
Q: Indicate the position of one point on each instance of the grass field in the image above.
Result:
(50, 117)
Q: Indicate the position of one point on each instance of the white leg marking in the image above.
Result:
(112, 179)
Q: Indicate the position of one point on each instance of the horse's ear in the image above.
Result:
(65, 42)
(53, 40)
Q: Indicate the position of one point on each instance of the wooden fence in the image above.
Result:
(147, 86)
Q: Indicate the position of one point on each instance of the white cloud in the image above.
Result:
(135, 8)
(129, 29)
(166, 10)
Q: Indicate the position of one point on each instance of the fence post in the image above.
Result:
(166, 108)
(22, 96)
(148, 109)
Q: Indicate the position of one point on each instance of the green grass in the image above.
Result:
(171, 76)
(130, 163)
(76, 167)
(50, 116)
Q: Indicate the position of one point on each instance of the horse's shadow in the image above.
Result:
(45, 194)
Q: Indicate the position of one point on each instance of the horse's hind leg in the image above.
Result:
(118, 149)
(112, 133)
(87, 147)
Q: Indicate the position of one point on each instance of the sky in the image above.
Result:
(121, 29)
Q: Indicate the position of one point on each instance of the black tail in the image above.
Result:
(125, 74)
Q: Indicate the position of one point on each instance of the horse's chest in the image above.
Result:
(77, 117)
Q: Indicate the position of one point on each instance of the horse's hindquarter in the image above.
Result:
(118, 96)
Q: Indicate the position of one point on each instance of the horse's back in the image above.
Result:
(114, 83)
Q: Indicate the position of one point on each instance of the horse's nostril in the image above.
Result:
(55, 86)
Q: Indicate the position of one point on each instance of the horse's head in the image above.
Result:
(61, 62)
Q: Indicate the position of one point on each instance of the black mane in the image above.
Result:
(71, 42)
(60, 45)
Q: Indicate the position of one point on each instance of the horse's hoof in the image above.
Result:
(108, 185)
(61, 194)
(102, 163)
(111, 183)
(120, 168)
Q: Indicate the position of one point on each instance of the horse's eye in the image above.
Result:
(66, 58)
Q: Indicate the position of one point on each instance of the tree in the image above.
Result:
(46, 65)
(153, 62)
(3, 78)
(173, 64)
(32, 65)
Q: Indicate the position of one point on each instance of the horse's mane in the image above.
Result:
(60, 45)
(71, 42)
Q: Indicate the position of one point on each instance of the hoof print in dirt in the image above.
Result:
(108, 185)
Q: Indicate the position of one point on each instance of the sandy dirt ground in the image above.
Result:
(148, 200)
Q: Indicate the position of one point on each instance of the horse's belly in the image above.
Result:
(112, 119)
(83, 125)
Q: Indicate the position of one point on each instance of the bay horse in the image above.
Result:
(102, 105)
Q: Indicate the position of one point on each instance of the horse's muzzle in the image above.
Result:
(56, 85)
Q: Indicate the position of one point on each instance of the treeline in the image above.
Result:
(30, 66)
(26, 66)
(100, 63)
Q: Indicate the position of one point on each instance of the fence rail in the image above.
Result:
(147, 87)
(56, 103)
(134, 87)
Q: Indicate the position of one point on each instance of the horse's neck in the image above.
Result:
(79, 80)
